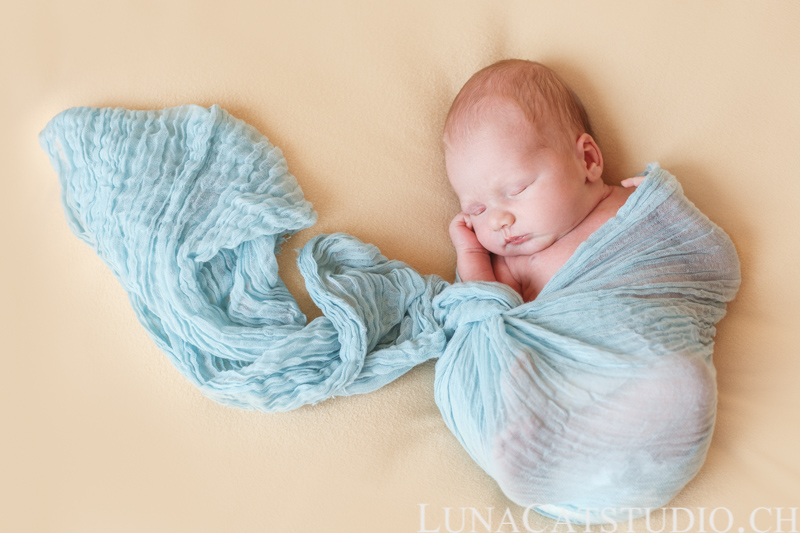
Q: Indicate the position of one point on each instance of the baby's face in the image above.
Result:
(519, 193)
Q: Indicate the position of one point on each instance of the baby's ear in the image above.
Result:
(592, 158)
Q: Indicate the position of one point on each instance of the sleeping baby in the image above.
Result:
(588, 391)
(529, 176)
(583, 382)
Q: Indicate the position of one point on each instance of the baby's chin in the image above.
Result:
(517, 251)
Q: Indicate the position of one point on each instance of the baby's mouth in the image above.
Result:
(517, 239)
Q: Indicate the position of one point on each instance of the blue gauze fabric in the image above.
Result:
(599, 394)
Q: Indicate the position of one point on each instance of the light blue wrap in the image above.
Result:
(597, 397)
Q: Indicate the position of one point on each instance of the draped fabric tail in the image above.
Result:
(188, 207)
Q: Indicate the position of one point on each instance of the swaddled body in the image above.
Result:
(586, 423)
(599, 395)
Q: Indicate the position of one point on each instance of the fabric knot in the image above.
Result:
(475, 301)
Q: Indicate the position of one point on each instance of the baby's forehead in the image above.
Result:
(500, 117)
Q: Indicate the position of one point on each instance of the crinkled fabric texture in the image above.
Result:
(599, 394)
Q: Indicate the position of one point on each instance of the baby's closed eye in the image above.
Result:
(519, 190)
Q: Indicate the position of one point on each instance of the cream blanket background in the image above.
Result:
(101, 434)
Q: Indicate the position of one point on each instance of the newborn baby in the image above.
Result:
(599, 396)
(596, 398)
(529, 176)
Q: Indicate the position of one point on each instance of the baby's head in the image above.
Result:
(521, 158)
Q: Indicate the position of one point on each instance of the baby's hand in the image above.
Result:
(464, 239)
(632, 182)
(472, 259)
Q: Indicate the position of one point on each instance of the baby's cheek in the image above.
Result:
(484, 237)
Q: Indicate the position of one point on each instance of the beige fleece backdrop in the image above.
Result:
(102, 434)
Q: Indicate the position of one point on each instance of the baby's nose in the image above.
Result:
(500, 219)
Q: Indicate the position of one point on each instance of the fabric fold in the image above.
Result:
(188, 206)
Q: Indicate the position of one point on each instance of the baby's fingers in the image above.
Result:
(461, 220)
(462, 235)
(632, 182)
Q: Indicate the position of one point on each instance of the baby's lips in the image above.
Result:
(517, 239)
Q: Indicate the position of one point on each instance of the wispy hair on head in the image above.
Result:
(543, 97)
